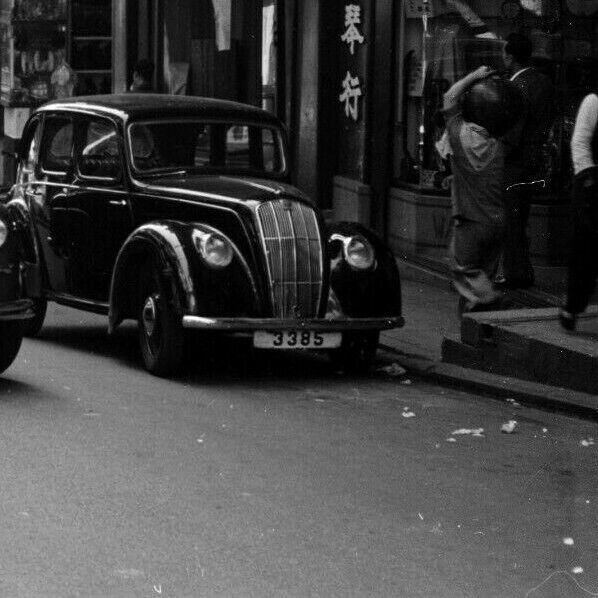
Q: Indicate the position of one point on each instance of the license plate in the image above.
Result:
(296, 339)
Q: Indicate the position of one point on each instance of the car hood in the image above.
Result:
(222, 188)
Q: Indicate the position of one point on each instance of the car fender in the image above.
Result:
(363, 293)
(10, 271)
(29, 255)
(190, 282)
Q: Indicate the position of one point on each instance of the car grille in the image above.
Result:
(293, 247)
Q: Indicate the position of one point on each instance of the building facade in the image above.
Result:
(357, 82)
(367, 85)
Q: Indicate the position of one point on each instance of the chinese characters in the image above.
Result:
(351, 84)
(352, 19)
(350, 96)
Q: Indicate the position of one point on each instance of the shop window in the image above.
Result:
(91, 45)
(456, 36)
(32, 50)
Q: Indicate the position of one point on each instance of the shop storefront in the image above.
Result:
(440, 41)
(366, 80)
(49, 49)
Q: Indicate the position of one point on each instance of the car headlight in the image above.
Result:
(359, 252)
(215, 249)
(3, 232)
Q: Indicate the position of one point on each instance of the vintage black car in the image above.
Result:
(14, 308)
(178, 212)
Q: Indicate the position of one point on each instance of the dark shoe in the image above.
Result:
(567, 320)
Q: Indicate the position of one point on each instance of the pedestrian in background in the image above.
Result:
(143, 74)
(583, 250)
(477, 160)
(524, 157)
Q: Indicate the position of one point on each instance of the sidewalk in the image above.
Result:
(521, 354)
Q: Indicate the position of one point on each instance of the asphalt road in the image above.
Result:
(271, 475)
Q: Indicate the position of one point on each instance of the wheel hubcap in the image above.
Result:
(150, 315)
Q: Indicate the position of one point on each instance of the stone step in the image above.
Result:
(529, 344)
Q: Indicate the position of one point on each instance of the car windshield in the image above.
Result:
(172, 145)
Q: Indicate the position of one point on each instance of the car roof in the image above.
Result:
(149, 105)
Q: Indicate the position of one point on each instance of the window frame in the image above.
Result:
(216, 149)
(82, 122)
(36, 125)
(39, 166)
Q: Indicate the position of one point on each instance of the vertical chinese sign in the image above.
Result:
(353, 28)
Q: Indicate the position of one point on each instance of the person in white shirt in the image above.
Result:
(583, 266)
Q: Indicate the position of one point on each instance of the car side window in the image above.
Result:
(100, 152)
(203, 146)
(237, 147)
(57, 146)
(271, 149)
(252, 148)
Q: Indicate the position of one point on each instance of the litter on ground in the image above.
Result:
(394, 369)
(509, 427)
(477, 432)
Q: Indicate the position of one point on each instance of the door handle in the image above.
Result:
(118, 202)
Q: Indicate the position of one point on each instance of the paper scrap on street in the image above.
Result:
(477, 432)
(407, 412)
(509, 427)
(394, 369)
(568, 541)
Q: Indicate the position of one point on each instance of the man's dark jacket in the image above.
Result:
(525, 143)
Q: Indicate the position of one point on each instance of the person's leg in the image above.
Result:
(470, 264)
(582, 251)
(525, 205)
(518, 272)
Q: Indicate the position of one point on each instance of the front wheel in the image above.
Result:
(11, 335)
(357, 351)
(160, 330)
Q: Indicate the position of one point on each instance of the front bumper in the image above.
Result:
(277, 325)
(21, 309)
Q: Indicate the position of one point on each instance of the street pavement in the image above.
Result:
(273, 475)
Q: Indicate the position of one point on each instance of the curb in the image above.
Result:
(499, 387)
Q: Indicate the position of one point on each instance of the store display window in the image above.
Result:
(442, 40)
(33, 38)
(54, 48)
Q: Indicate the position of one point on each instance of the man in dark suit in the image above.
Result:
(524, 160)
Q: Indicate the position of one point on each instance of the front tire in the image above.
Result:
(32, 326)
(160, 329)
(11, 335)
(357, 351)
